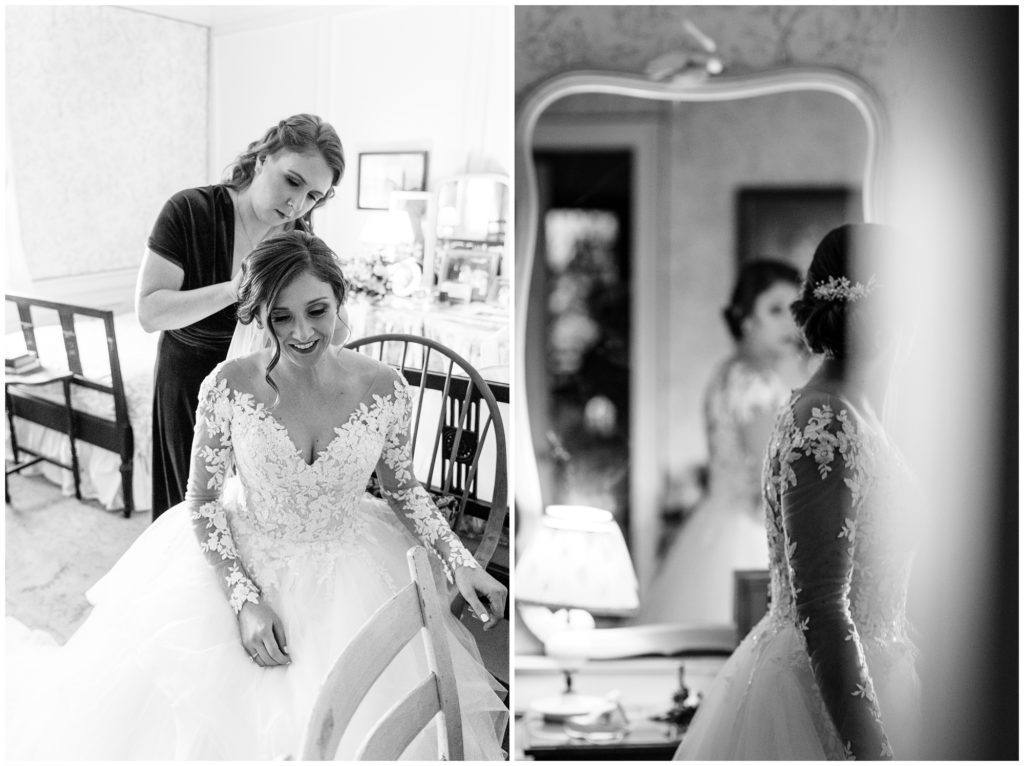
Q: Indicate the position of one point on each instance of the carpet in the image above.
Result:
(56, 548)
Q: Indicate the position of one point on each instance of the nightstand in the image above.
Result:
(23, 395)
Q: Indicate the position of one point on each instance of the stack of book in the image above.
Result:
(22, 364)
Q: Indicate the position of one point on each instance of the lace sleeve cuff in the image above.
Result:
(240, 589)
(429, 525)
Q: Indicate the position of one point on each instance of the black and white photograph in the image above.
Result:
(503, 381)
(257, 496)
(766, 364)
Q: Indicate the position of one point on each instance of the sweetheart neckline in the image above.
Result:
(260, 409)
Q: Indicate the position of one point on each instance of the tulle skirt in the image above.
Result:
(765, 705)
(695, 582)
(157, 671)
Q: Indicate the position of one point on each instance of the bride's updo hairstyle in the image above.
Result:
(755, 277)
(272, 266)
(838, 305)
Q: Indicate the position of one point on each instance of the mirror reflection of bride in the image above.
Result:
(726, 532)
(681, 256)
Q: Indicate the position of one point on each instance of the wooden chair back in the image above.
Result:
(414, 610)
(456, 418)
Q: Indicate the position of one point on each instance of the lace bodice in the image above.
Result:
(737, 394)
(282, 507)
(841, 539)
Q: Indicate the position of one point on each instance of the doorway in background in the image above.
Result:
(585, 241)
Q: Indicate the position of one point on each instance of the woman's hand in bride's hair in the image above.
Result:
(235, 284)
(263, 635)
(477, 586)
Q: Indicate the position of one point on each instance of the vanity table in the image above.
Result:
(457, 299)
(645, 686)
(477, 331)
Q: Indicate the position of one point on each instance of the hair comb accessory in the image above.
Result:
(842, 289)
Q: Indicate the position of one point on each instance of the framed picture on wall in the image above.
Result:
(787, 223)
(381, 173)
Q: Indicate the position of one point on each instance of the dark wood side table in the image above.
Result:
(23, 383)
(645, 686)
(646, 740)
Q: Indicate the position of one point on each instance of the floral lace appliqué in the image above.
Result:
(281, 509)
(873, 535)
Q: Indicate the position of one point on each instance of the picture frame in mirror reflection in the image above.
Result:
(468, 274)
(381, 173)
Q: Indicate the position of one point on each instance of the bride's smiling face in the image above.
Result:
(303, 319)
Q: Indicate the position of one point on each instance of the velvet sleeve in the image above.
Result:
(171, 235)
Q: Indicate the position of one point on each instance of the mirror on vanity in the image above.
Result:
(636, 201)
(472, 219)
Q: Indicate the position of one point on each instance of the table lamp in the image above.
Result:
(389, 230)
(577, 564)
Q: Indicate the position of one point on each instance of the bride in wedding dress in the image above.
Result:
(210, 638)
(726, 532)
(829, 672)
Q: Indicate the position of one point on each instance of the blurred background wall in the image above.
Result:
(106, 117)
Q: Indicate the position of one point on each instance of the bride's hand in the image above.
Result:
(263, 635)
(475, 584)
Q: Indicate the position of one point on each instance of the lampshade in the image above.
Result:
(391, 228)
(447, 220)
(578, 559)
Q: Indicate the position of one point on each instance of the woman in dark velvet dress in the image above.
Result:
(188, 281)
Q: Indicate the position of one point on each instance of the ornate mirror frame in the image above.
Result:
(697, 88)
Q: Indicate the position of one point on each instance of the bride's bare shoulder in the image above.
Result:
(366, 372)
(243, 373)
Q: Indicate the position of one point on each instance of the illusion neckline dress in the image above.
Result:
(829, 672)
(158, 671)
(725, 533)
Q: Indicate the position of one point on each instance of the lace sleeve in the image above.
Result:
(211, 458)
(820, 508)
(406, 495)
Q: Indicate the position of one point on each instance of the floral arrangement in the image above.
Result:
(383, 271)
(367, 273)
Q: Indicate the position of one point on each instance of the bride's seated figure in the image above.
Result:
(726, 532)
(211, 636)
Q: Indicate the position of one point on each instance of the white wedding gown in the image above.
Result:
(695, 582)
(829, 672)
(158, 671)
